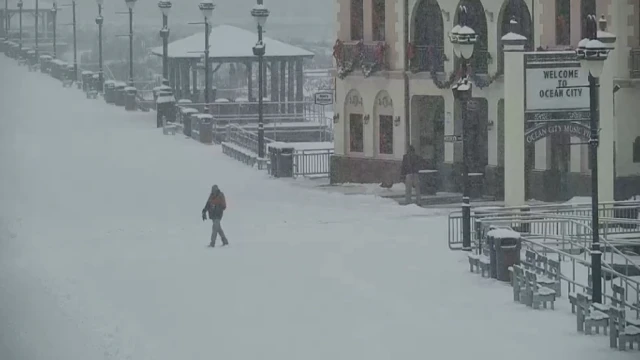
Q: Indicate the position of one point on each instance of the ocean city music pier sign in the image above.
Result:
(541, 131)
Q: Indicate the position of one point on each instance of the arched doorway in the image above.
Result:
(477, 20)
(383, 124)
(354, 123)
(519, 10)
(428, 37)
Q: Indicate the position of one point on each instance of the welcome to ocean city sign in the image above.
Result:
(556, 95)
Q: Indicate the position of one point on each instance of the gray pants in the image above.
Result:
(412, 181)
(215, 230)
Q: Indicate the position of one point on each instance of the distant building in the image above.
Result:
(378, 112)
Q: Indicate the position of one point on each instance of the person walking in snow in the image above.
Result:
(411, 163)
(215, 206)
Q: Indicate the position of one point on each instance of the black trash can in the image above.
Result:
(428, 181)
(71, 72)
(273, 158)
(490, 246)
(195, 126)
(165, 108)
(130, 101)
(119, 94)
(507, 245)
(206, 128)
(109, 92)
(86, 75)
(189, 123)
(45, 61)
(184, 113)
(284, 161)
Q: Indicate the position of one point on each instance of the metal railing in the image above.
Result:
(245, 139)
(610, 276)
(274, 111)
(312, 162)
(616, 217)
(572, 244)
(634, 63)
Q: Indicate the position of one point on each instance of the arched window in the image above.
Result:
(563, 22)
(357, 20)
(514, 9)
(378, 19)
(428, 37)
(478, 22)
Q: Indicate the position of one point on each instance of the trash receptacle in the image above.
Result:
(284, 161)
(109, 91)
(130, 101)
(428, 181)
(490, 246)
(273, 158)
(119, 94)
(189, 122)
(206, 128)
(165, 107)
(506, 244)
(71, 72)
(195, 126)
(86, 75)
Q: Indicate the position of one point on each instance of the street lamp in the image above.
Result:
(36, 30)
(592, 54)
(99, 22)
(463, 39)
(75, 42)
(6, 19)
(130, 4)
(20, 5)
(165, 7)
(260, 14)
(54, 12)
(206, 7)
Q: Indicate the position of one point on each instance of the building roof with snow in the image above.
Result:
(230, 43)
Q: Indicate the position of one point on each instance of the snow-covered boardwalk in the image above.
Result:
(102, 256)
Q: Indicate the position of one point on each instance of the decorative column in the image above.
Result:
(514, 157)
(290, 86)
(172, 74)
(194, 82)
(282, 84)
(250, 81)
(185, 79)
(299, 87)
(275, 81)
(606, 150)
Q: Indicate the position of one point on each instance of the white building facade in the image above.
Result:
(395, 67)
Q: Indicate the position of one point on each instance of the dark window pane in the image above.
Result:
(386, 134)
(356, 133)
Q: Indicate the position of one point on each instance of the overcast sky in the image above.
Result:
(291, 11)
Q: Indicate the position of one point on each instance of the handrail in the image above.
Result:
(574, 220)
(607, 268)
(572, 281)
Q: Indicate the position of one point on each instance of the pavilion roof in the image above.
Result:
(230, 43)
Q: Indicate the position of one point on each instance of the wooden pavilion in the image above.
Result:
(283, 65)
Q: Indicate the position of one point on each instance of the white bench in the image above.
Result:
(480, 263)
(622, 335)
(590, 316)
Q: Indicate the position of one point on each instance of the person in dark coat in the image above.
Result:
(411, 163)
(215, 206)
